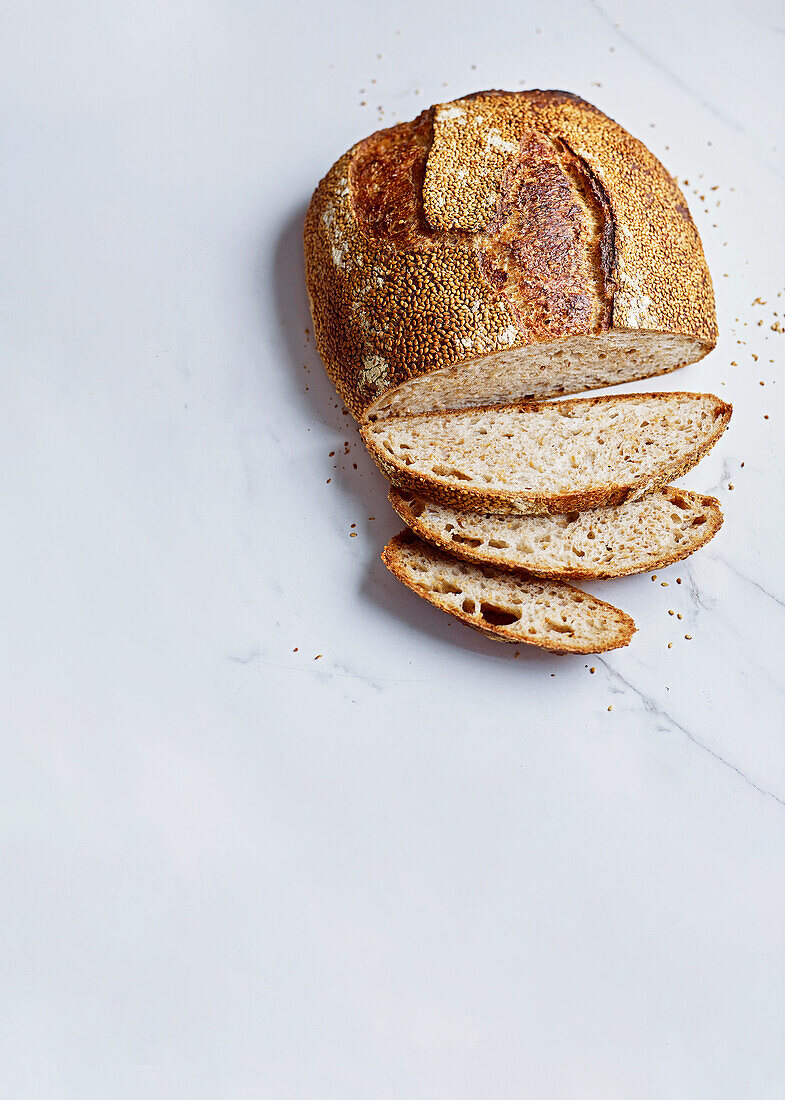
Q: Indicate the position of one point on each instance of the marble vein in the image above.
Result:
(747, 580)
(681, 84)
(655, 708)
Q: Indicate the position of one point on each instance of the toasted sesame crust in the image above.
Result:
(486, 556)
(624, 625)
(512, 502)
(407, 235)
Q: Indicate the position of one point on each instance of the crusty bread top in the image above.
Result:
(551, 456)
(508, 607)
(493, 223)
(661, 528)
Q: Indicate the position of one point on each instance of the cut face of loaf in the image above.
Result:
(549, 457)
(543, 370)
(663, 527)
(508, 607)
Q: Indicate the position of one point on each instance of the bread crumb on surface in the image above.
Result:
(318, 655)
(670, 645)
(688, 637)
(610, 707)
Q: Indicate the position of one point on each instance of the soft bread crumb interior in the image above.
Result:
(532, 610)
(569, 365)
(666, 525)
(557, 447)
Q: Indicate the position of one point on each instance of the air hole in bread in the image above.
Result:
(416, 507)
(698, 521)
(449, 471)
(571, 517)
(465, 540)
(560, 627)
(498, 544)
(498, 616)
(468, 606)
(447, 588)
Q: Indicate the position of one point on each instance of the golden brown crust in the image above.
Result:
(390, 557)
(386, 176)
(542, 250)
(485, 556)
(395, 287)
(514, 502)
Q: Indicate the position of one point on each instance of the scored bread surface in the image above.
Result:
(548, 457)
(508, 607)
(499, 247)
(663, 527)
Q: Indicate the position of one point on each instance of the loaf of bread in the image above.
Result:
(503, 247)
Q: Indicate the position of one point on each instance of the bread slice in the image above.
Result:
(508, 607)
(661, 528)
(502, 247)
(548, 457)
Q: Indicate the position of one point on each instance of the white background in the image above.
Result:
(419, 866)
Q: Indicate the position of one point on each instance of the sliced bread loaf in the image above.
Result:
(548, 457)
(661, 528)
(508, 607)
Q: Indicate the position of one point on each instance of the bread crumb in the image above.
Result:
(671, 612)
(670, 645)
(295, 649)
(730, 485)
(592, 670)
(353, 535)
(678, 580)
(654, 576)
(679, 615)
(318, 655)
(688, 637)
(664, 584)
(610, 707)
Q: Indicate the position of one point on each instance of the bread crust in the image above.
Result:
(403, 234)
(626, 625)
(487, 557)
(515, 502)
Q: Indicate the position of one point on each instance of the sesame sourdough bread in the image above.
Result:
(502, 247)
(663, 527)
(508, 607)
(549, 456)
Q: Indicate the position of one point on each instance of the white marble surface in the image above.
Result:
(417, 867)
